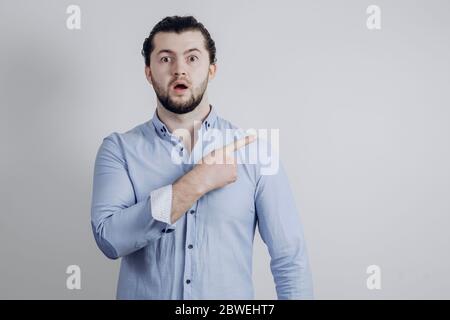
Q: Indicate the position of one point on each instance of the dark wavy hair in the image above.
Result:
(178, 24)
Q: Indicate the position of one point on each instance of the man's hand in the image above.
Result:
(213, 171)
(218, 168)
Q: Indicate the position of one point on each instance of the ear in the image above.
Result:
(148, 74)
(212, 71)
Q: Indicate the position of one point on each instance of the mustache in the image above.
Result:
(180, 79)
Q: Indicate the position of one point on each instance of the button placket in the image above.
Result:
(188, 263)
(190, 238)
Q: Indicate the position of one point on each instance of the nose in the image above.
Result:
(179, 68)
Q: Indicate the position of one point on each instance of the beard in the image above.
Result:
(185, 106)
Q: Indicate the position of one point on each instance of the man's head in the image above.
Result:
(180, 59)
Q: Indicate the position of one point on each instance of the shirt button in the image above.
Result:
(190, 246)
(188, 281)
(192, 211)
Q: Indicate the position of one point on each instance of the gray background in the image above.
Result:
(363, 117)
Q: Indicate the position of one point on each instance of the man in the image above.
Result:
(182, 219)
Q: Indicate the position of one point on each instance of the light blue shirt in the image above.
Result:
(207, 253)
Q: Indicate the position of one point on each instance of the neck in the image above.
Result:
(190, 121)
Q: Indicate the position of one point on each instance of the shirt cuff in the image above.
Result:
(161, 204)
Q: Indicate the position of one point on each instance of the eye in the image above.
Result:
(165, 59)
(192, 58)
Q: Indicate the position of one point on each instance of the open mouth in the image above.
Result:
(180, 88)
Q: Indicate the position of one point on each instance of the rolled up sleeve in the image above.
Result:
(121, 224)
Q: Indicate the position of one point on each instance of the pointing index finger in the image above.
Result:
(237, 144)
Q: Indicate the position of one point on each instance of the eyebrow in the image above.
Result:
(170, 51)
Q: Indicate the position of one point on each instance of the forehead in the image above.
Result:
(178, 42)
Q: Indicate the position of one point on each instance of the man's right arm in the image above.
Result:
(120, 225)
(170, 202)
(215, 170)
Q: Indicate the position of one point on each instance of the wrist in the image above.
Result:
(198, 183)
(193, 183)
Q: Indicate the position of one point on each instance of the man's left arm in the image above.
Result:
(281, 230)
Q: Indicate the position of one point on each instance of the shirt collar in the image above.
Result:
(161, 129)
